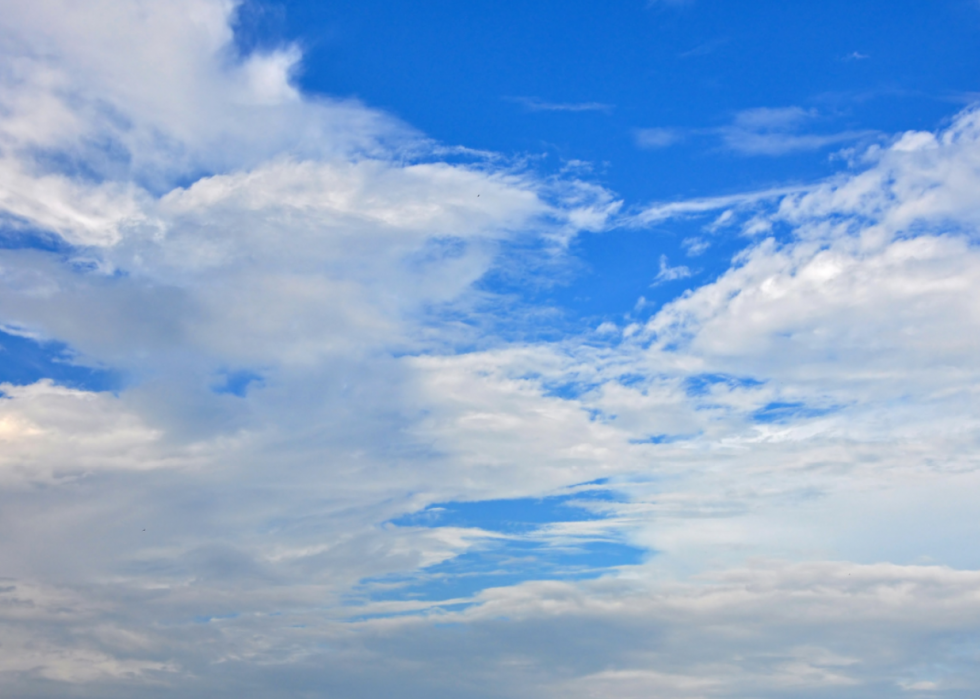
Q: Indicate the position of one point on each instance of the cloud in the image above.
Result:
(793, 628)
(704, 49)
(767, 131)
(695, 246)
(657, 138)
(658, 212)
(669, 3)
(835, 259)
(669, 274)
(533, 104)
(759, 131)
(786, 443)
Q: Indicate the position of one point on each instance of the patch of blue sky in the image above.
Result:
(596, 415)
(778, 411)
(24, 360)
(513, 516)
(632, 380)
(569, 390)
(497, 75)
(702, 384)
(207, 618)
(598, 493)
(18, 234)
(617, 275)
(506, 562)
(236, 383)
(539, 293)
(525, 546)
(664, 438)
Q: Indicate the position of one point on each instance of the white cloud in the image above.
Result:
(760, 131)
(695, 246)
(769, 628)
(181, 103)
(669, 274)
(533, 104)
(657, 137)
(49, 433)
(669, 3)
(268, 77)
(658, 212)
(767, 131)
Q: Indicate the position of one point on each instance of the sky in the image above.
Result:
(499, 350)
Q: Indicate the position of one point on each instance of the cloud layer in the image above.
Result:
(289, 287)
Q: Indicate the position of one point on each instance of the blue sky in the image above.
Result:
(489, 349)
(659, 100)
(575, 81)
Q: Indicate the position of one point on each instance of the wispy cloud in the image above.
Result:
(533, 104)
(759, 131)
(704, 49)
(669, 3)
(780, 131)
(670, 274)
(664, 211)
(695, 246)
(657, 137)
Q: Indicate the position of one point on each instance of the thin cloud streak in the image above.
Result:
(657, 138)
(761, 131)
(533, 104)
(704, 49)
(774, 132)
(747, 142)
(659, 212)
